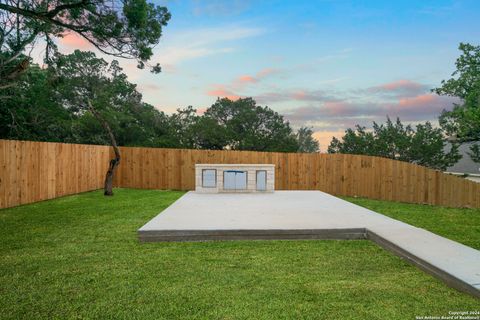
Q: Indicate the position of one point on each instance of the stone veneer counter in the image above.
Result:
(236, 178)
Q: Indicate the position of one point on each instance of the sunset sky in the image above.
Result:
(324, 64)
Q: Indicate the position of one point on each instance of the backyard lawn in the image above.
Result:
(78, 257)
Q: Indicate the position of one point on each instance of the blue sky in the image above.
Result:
(324, 64)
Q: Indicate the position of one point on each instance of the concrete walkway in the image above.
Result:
(312, 215)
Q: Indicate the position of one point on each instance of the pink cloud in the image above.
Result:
(244, 80)
(425, 105)
(239, 83)
(299, 95)
(295, 95)
(221, 92)
(400, 87)
(401, 84)
(338, 108)
(266, 72)
(247, 79)
(422, 100)
(419, 108)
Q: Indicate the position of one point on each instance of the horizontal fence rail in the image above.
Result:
(33, 171)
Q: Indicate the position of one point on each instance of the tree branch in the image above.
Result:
(54, 12)
(107, 128)
(114, 162)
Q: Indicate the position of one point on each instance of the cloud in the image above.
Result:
(422, 107)
(174, 55)
(400, 84)
(192, 44)
(400, 87)
(335, 80)
(148, 87)
(266, 72)
(338, 55)
(293, 95)
(330, 112)
(332, 118)
(240, 83)
(419, 108)
(246, 79)
(221, 92)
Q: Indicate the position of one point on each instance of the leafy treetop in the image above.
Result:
(462, 123)
(424, 145)
(121, 28)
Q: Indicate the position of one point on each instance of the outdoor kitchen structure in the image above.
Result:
(236, 178)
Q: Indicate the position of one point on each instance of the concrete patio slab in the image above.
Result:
(311, 215)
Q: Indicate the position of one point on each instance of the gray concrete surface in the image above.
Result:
(312, 215)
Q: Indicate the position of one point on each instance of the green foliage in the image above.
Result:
(475, 153)
(78, 257)
(306, 142)
(463, 122)
(358, 141)
(424, 145)
(31, 112)
(181, 124)
(81, 81)
(465, 81)
(209, 134)
(251, 127)
(54, 105)
(51, 105)
(121, 28)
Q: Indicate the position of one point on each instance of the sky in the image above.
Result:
(325, 64)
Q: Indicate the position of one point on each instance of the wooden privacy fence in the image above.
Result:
(337, 174)
(33, 171)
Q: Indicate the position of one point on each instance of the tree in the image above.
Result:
(52, 105)
(181, 124)
(121, 28)
(251, 127)
(355, 141)
(306, 142)
(32, 113)
(36, 110)
(428, 147)
(85, 84)
(208, 134)
(424, 145)
(462, 123)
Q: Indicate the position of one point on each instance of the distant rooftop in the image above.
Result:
(466, 164)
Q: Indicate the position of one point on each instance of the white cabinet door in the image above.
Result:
(209, 178)
(241, 180)
(261, 180)
(229, 180)
(234, 180)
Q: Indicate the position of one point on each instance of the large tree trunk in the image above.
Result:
(108, 186)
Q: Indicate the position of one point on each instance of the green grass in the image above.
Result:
(78, 257)
(462, 225)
